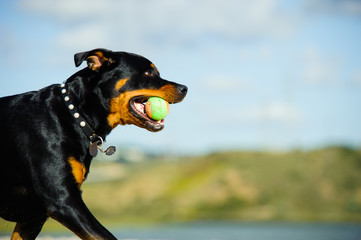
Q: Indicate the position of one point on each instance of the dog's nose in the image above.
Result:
(183, 89)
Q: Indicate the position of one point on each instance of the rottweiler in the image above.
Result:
(49, 137)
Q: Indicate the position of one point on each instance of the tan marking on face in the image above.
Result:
(78, 170)
(153, 66)
(120, 84)
(119, 106)
(118, 110)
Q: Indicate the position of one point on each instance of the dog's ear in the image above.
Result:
(95, 58)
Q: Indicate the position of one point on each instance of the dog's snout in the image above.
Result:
(183, 89)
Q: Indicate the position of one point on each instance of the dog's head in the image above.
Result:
(126, 81)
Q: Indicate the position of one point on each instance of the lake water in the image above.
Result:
(233, 231)
(247, 231)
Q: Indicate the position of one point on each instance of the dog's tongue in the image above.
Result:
(140, 107)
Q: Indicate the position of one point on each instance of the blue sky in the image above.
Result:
(262, 74)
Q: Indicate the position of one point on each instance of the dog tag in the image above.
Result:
(110, 150)
(93, 149)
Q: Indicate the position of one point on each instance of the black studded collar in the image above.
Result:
(96, 141)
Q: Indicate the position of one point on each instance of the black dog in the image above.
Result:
(49, 137)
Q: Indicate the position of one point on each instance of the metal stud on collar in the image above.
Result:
(82, 123)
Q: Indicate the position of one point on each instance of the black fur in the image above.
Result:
(39, 136)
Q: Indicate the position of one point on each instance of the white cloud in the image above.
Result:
(66, 10)
(222, 84)
(274, 112)
(160, 22)
(357, 77)
(83, 38)
(348, 7)
(317, 68)
(233, 112)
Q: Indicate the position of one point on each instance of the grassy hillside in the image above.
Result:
(322, 185)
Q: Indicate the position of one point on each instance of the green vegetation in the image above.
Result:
(321, 185)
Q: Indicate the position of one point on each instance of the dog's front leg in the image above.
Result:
(28, 230)
(58, 186)
(74, 215)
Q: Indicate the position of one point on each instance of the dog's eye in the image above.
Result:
(149, 74)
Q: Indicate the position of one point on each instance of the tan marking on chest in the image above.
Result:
(16, 236)
(78, 170)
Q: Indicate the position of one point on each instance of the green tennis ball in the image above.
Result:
(157, 108)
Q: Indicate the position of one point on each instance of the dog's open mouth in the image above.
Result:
(137, 109)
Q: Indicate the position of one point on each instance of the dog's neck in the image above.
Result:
(95, 140)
